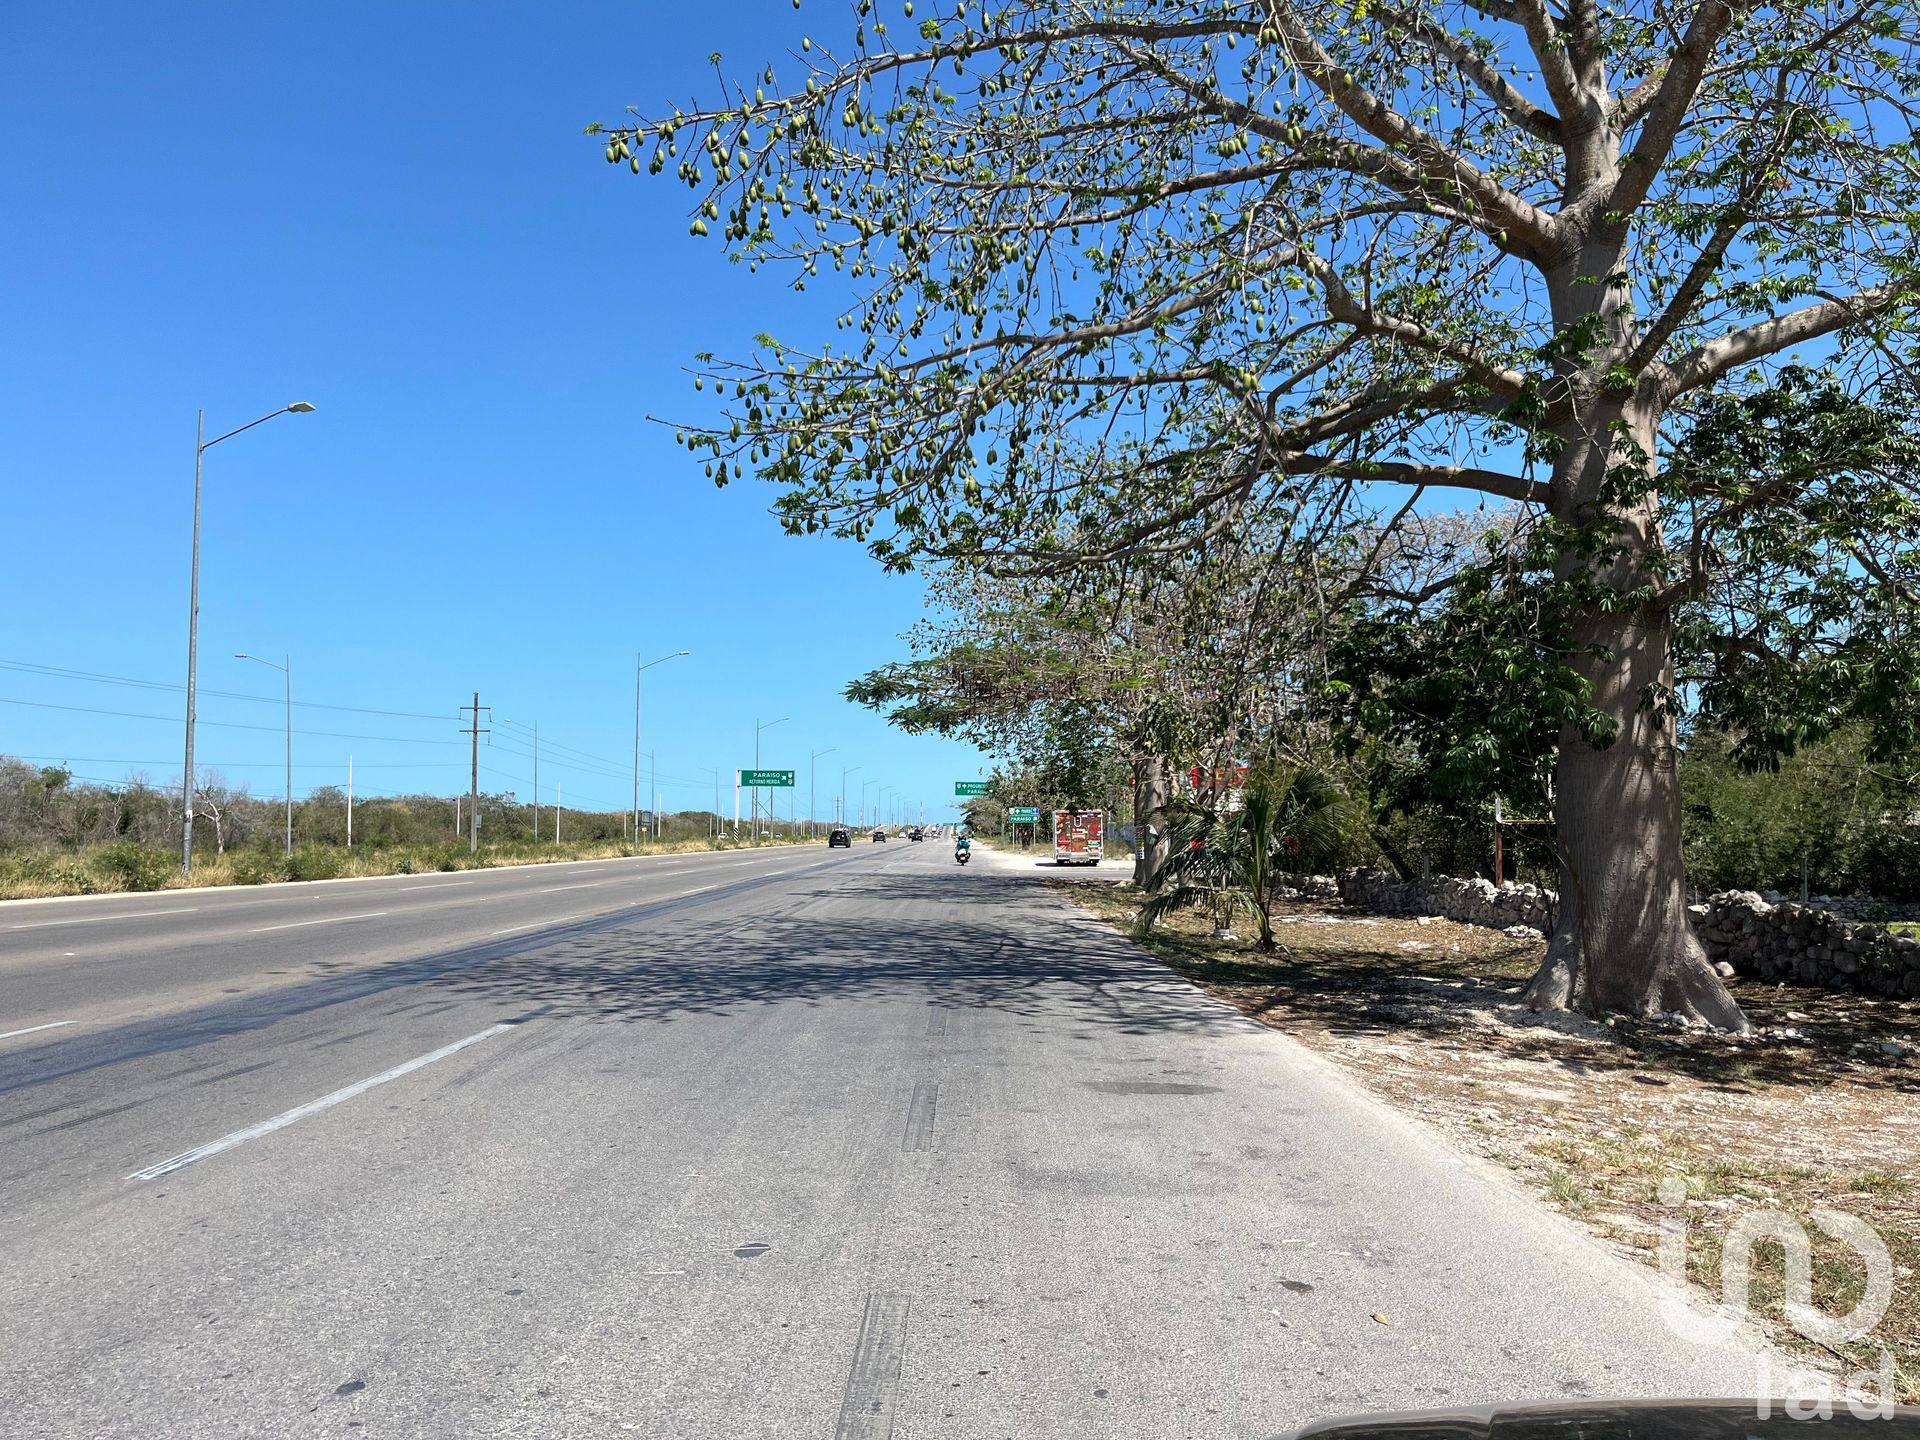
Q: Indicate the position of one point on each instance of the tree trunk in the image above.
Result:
(1150, 795)
(1622, 940)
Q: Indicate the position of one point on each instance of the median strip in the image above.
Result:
(312, 1107)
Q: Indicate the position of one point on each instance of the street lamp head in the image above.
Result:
(300, 407)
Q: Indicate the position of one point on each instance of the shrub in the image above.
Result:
(314, 862)
(258, 867)
(135, 866)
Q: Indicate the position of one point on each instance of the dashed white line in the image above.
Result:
(697, 889)
(312, 1107)
(97, 919)
(326, 920)
(583, 885)
(443, 885)
(536, 924)
(50, 1025)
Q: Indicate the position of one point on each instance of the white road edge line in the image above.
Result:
(443, 885)
(583, 885)
(325, 920)
(50, 1025)
(97, 919)
(312, 1107)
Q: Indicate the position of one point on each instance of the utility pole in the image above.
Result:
(556, 812)
(653, 787)
(349, 802)
(473, 790)
(536, 782)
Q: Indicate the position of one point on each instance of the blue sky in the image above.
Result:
(390, 211)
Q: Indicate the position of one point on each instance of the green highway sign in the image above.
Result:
(766, 779)
(970, 787)
(1023, 815)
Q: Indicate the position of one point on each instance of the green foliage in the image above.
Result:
(259, 867)
(1857, 826)
(1290, 820)
(315, 862)
(136, 867)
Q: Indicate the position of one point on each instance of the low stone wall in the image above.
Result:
(1475, 902)
(1805, 945)
(1799, 944)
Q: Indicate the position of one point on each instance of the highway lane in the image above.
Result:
(871, 1146)
(102, 960)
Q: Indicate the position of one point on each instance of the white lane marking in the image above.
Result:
(583, 885)
(536, 924)
(443, 885)
(327, 920)
(50, 1025)
(96, 919)
(697, 889)
(312, 1107)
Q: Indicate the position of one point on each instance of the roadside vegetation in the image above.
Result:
(62, 837)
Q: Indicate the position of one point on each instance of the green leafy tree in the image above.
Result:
(1115, 270)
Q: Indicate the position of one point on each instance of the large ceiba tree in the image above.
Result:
(1115, 269)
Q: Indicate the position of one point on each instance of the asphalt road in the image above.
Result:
(788, 1143)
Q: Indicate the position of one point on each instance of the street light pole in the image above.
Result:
(200, 447)
(287, 670)
(638, 670)
(757, 728)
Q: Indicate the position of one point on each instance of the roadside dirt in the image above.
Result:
(1814, 1112)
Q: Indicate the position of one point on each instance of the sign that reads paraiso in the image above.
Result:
(1023, 815)
(970, 787)
(767, 779)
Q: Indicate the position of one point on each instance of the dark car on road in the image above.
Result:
(916, 833)
(879, 837)
(839, 836)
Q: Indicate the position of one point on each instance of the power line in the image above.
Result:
(231, 724)
(241, 764)
(60, 673)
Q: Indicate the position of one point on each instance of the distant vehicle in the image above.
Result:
(1079, 837)
(916, 833)
(879, 837)
(838, 836)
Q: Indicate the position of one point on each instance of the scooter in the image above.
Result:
(962, 856)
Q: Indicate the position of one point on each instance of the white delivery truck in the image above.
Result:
(1079, 837)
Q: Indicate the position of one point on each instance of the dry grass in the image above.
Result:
(1595, 1115)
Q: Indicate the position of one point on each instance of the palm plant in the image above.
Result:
(1289, 820)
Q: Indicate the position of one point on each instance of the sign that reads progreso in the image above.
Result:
(767, 779)
(970, 787)
(1023, 815)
